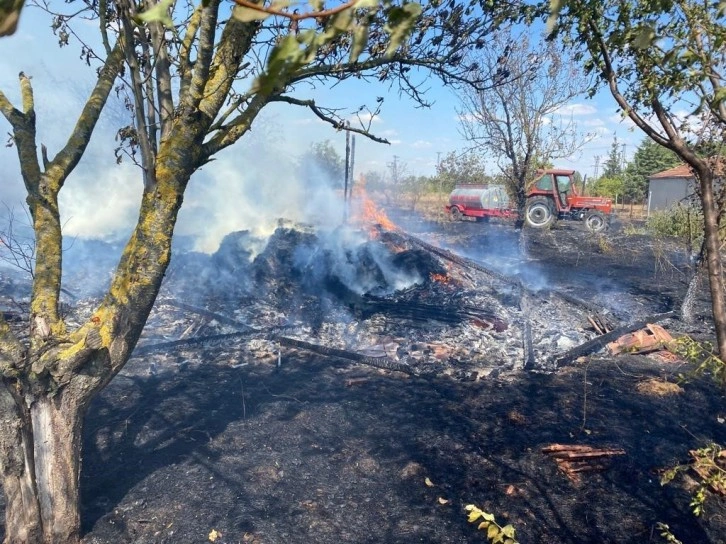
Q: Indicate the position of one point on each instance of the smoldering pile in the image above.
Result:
(374, 295)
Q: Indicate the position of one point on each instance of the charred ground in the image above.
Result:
(271, 445)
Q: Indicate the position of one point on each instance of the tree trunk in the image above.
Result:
(41, 473)
(713, 255)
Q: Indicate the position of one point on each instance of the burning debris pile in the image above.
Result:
(369, 294)
(380, 297)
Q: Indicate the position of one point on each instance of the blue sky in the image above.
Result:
(102, 197)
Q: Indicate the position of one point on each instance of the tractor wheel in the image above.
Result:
(455, 214)
(595, 221)
(539, 212)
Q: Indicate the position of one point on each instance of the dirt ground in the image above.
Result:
(319, 450)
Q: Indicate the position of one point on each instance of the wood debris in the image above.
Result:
(649, 339)
(576, 459)
(601, 324)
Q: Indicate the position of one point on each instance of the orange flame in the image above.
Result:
(441, 278)
(366, 211)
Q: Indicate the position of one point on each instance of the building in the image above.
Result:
(670, 187)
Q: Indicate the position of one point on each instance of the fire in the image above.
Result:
(366, 211)
(441, 278)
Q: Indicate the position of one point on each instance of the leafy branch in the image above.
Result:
(258, 11)
(496, 534)
(710, 464)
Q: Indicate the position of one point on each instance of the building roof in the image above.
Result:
(680, 171)
(683, 171)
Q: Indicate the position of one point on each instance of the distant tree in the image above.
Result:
(322, 161)
(650, 158)
(656, 59)
(517, 121)
(460, 169)
(614, 163)
(415, 187)
(613, 187)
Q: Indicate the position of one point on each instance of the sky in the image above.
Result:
(101, 198)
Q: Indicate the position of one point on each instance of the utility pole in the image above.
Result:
(597, 165)
(347, 174)
(352, 168)
(622, 158)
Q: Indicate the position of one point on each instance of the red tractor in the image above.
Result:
(553, 196)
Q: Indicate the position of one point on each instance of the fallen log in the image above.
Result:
(600, 342)
(223, 319)
(165, 346)
(378, 362)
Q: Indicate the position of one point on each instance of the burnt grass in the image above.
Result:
(320, 450)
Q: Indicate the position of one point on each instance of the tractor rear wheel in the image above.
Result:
(455, 214)
(595, 221)
(539, 212)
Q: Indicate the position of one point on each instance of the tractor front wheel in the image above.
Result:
(455, 214)
(595, 221)
(539, 212)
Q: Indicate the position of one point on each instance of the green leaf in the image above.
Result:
(483, 525)
(157, 13)
(474, 515)
(644, 37)
(719, 96)
(555, 7)
(366, 4)
(247, 15)
(487, 516)
(492, 532)
(342, 21)
(400, 23)
(360, 39)
(508, 531)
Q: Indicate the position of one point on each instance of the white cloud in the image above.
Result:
(576, 109)
(365, 118)
(422, 144)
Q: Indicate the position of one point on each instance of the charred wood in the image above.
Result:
(416, 311)
(167, 346)
(211, 315)
(378, 362)
(601, 341)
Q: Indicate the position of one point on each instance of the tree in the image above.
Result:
(517, 121)
(322, 163)
(657, 59)
(414, 187)
(614, 163)
(460, 169)
(188, 88)
(650, 158)
(609, 187)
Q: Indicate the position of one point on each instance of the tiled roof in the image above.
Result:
(680, 171)
(684, 171)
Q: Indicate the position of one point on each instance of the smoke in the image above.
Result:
(362, 265)
(254, 185)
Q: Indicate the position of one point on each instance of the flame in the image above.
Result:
(441, 278)
(367, 211)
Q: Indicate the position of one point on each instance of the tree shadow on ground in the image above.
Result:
(328, 453)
